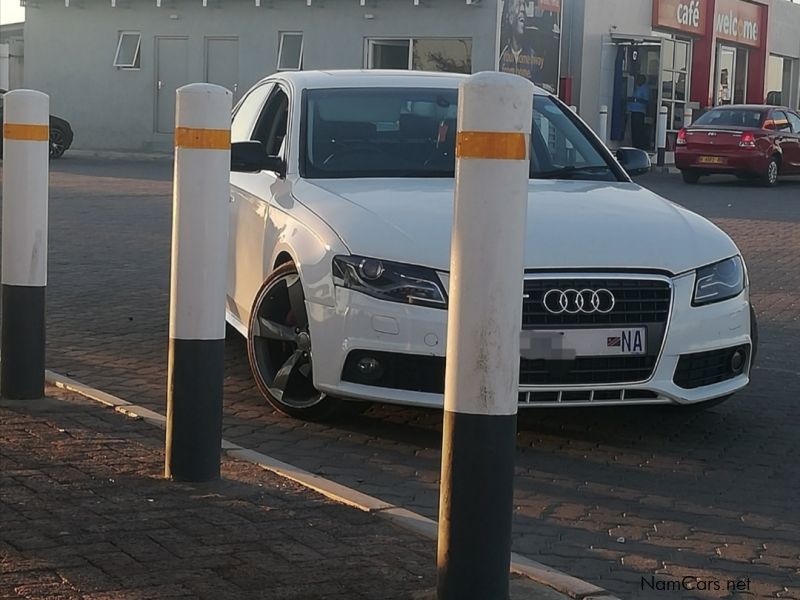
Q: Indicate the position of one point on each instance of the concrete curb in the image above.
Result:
(112, 155)
(402, 517)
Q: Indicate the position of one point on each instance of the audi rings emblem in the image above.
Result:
(573, 302)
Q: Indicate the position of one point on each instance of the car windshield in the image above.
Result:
(401, 132)
(731, 117)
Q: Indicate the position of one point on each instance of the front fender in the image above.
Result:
(305, 238)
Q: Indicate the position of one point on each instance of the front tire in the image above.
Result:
(280, 353)
(690, 177)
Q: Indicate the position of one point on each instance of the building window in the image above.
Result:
(290, 52)
(675, 76)
(127, 56)
(451, 55)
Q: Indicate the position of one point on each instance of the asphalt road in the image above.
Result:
(610, 496)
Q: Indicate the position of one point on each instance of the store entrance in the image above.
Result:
(636, 93)
(730, 81)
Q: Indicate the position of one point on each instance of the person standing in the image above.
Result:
(637, 107)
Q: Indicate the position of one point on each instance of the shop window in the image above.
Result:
(290, 51)
(675, 55)
(128, 45)
(453, 55)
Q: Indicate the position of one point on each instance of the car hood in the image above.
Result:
(571, 224)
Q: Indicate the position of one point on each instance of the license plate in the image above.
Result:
(711, 160)
(567, 344)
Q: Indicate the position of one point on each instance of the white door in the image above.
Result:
(171, 73)
(222, 63)
(250, 238)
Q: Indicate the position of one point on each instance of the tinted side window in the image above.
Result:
(272, 124)
(781, 121)
(247, 111)
(795, 121)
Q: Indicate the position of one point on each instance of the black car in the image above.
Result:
(60, 133)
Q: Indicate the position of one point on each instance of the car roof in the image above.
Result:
(373, 78)
(761, 107)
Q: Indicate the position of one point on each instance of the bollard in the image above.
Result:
(24, 264)
(661, 136)
(198, 282)
(484, 321)
(688, 115)
(603, 124)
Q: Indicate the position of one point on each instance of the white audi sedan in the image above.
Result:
(341, 208)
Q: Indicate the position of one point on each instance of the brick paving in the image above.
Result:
(607, 495)
(85, 514)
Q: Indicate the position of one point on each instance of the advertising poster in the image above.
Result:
(529, 33)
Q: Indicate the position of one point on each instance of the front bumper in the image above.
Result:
(358, 322)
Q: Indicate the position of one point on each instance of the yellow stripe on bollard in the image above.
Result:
(492, 145)
(30, 133)
(204, 139)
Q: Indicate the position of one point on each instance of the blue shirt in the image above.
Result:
(640, 100)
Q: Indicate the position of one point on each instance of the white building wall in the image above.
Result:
(784, 40)
(70, 51)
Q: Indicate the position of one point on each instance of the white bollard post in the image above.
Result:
(603, 124)
(688, 116)
(484, 321)
(198, 282)
(26, 134)
(661, 136)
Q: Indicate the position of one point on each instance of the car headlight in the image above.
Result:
(720, 281)
(389, 280)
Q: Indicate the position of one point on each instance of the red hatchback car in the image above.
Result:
(751, 142)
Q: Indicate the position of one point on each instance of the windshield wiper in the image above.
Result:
(570, 171)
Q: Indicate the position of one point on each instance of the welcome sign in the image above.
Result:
(738, 21)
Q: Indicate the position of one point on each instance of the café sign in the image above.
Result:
(688, 16)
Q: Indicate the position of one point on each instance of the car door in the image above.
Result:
(794, 121)
(250, 240)
(786, 140)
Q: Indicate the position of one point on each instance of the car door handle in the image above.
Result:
(232, 198)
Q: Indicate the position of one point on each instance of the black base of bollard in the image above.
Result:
(477, 505)
(23, 338)
(661, 157)
(194, 409)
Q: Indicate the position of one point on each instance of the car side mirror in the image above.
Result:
(635, 162)
(251, 156)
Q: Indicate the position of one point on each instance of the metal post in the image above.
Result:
(603, 124)
(661, 136)
(485, 313)
(688, 116)
(26, 137)
(198, 282)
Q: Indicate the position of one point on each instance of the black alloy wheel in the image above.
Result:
(280, 351)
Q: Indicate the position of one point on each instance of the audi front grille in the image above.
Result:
(641, 302)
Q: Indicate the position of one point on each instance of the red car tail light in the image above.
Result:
(748, 140)
(681, 141)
